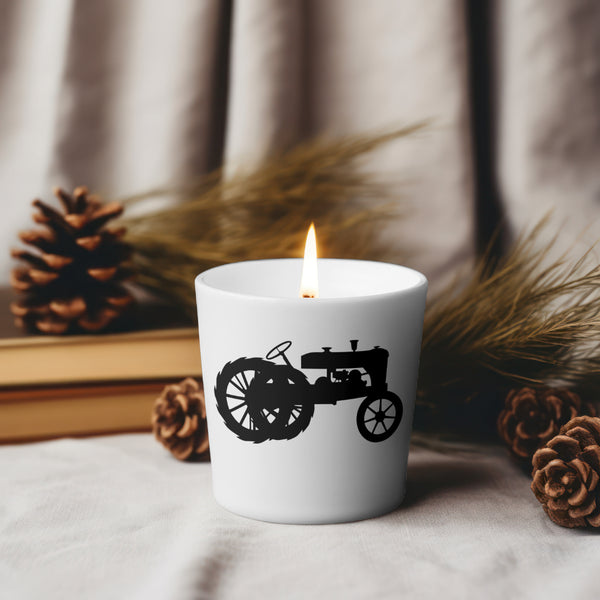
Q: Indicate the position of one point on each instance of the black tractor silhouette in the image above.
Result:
(261, 400)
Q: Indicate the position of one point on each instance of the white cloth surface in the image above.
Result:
(117, 517)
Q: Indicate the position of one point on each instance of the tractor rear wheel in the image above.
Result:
(239, 403)
(289, 391)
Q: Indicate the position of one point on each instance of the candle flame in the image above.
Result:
(309, 285)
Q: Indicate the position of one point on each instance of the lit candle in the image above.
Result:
(309, 283)
(309, 402)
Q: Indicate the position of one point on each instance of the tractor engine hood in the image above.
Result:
(369, 360)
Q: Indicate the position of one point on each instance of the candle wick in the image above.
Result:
(306, 295)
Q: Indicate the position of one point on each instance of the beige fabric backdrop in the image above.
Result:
(548, 107)
(123, 96)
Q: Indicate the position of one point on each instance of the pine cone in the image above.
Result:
(566, 474)
(179, 419)
(532, 416)
(73, 282)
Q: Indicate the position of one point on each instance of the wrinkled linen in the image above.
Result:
(117, 517)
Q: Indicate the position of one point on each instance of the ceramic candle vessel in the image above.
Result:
(310, 401)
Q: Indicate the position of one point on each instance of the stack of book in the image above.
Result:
(89, 384)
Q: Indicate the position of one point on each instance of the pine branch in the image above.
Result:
(526, 320)
(265, 214)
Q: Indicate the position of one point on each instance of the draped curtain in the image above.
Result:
(123, 96)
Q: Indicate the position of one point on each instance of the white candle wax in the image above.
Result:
(338, 278)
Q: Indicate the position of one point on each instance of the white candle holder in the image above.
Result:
(310, 401)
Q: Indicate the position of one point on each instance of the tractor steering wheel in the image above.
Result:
(279, 350)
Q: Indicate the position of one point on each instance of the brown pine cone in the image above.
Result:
(179, 419)
(532, 416)
(72, 280)
(566, 474)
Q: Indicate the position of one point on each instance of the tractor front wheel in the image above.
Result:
(378, 416)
